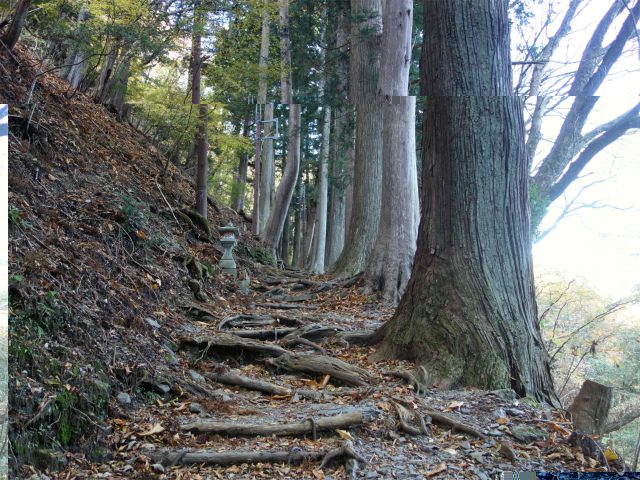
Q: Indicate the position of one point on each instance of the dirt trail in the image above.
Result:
(133, 356)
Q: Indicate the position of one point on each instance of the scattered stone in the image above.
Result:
(371, 474)
(152, 322)
(497, 413)
(226, 398)
(123, 398)
(466, 445)
(528, 434)
(494, 433)
(161, 388)
(197, 377)
(514, 412)
(170, 356)
(505, 393)
(477, 454)
(196, 408)
(157, 468)
(465, 410)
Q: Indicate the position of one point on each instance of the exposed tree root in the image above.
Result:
(285, 306)
(233, 458)
(227, 341)
(338, 369)
(407, 416)
(196, 217)
(231, 378)
(345, 420)
(418, 379)
(345, 450)
(440, 417)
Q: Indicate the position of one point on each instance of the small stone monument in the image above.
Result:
(228, 240)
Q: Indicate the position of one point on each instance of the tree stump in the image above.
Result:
(590, 408)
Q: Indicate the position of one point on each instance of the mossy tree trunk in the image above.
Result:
(469, 313)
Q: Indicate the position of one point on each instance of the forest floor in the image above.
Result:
(134, 356)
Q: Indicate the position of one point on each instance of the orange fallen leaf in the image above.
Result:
(157, 428)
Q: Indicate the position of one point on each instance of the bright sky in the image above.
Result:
(601, 245)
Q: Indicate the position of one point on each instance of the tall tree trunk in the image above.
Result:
(336, 220)
(297, 239)
(469, 313)
(284, 243)
(367, 177)
(119, 85)
(285, 53)
(267, 169)
(11, 36)
(320, 234)
(264, 55)
(335, 217)
(74, 57)
(273, 229)
(239, 191)
(201, 136)
(389, 266)
(107, 70)
(391, 260)
(367, 186)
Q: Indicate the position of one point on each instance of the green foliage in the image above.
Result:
(16, 217)
(257, 255)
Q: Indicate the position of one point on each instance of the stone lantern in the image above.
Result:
(228, 236)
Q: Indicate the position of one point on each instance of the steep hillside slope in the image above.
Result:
(97, 250)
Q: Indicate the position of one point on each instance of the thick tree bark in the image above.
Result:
(337, 194)
(366, 38)
(468, 314)
(201, 136)
(367, 186)
(389, 266)
(267, 169)
(366, 33)
(318, 259)
(285, 54)
(273, 229)
(11, 36)
(335, 217)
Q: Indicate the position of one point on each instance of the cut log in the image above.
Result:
(343, 421)
(590, 408)
(228, 342)
(338, 369)
(233, 458)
